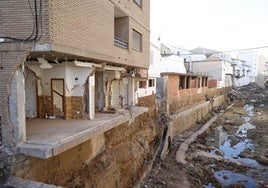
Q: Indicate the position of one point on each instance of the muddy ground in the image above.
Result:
(233, 152)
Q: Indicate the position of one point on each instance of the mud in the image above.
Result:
(233, 152)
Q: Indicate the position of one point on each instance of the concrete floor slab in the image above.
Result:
(47, 138)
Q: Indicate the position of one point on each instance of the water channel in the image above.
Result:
(231, 150)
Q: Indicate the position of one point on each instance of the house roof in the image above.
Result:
(201, 50)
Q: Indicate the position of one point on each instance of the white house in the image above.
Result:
(251, 60)
(148, 87)
(241, 72)
(172, 64)
(217, 65)
(168, 62)
(262, 70)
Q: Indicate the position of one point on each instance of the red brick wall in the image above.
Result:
(212, 83)
(173, 86)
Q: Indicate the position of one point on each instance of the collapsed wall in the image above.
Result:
(116, 158)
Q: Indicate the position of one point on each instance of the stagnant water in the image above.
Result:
(231, 152)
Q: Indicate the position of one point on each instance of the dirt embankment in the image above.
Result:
(232, 152)
(129, 149)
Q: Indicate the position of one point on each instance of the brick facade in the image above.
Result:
(67, 30)
(12, 57)
(81, 28)
(89, 25)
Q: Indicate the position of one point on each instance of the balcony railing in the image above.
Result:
(121, 43)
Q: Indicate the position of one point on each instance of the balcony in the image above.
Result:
(120, 43)
(121, 28)
(47, 138)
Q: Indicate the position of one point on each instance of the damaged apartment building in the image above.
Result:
(69, 60)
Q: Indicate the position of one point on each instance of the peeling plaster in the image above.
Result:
(17, 106)
(76, 77)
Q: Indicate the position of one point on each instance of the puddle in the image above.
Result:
(223, 142)
(228, 178)
(209, 186)
(232, 152)
(243, 129)
(232, 146)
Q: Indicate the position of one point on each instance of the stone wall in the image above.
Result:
(187, 118)
(44, 106)
(186, 102)
(74, 107)
(192, 100)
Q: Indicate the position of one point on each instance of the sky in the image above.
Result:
(215, 24)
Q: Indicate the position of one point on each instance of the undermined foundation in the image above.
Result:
(119, 157)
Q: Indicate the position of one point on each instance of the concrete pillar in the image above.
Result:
(166, 92)
(12, 93)
(91, 96)
(17, 106)
(131, 91)
(100, 90)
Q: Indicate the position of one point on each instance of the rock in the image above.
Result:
(235, 121)
(262, 159)
(218, 152)
(201, 146)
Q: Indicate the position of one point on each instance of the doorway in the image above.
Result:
(57, 95)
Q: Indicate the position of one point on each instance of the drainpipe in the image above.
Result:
(191, 65)
(233, 76)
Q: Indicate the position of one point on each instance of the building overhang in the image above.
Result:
(58, 53)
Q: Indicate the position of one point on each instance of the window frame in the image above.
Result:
(142, 84)
(140, 34)
(139, 4)
(152, 84)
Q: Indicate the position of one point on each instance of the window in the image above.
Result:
(151, 83)
(182, 84)
(198, 82)
(142, 84)
(136, 40)
(138, 2)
